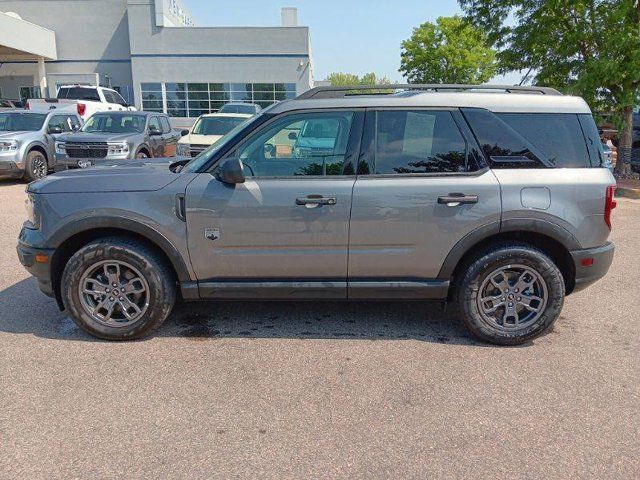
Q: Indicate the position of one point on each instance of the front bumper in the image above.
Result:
(10, 169)
(599, 258)
(63, 162)
(39, 269)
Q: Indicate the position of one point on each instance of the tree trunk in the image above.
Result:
(623, 165)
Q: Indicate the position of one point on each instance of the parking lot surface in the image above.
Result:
(320, 390)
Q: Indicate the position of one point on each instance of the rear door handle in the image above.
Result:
(314, 200)
(455, 199)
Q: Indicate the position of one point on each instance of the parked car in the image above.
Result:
(27, 141)
(207, 130)
(493, 202)
(7, 104)
(241, 107)
(86, 100)
(117, 136)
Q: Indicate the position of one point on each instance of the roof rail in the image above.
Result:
(354, 90)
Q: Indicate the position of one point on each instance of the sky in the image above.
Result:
(351, 36)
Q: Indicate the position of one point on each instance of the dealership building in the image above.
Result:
(152, 51)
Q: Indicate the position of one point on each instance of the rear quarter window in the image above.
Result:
(558, 136)
(532, 140)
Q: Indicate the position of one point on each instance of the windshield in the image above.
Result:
(216, 125)
(16, 122)
(114, 123)
(198, 161)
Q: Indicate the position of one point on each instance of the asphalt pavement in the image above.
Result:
(320, 390)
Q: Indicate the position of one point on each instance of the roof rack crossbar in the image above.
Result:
(345, 91)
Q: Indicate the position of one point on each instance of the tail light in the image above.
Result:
(609, 204)
(27, 106)
(81, 108)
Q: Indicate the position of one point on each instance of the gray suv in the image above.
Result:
(109, 136)
(495, 202)
(27, 141)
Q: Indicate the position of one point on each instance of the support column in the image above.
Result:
(42, 77)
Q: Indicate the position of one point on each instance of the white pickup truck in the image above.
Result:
(86, 99)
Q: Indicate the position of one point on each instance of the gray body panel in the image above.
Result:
(398, 229)
(263, 234)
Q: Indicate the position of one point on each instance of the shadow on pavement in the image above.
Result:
(24, 310)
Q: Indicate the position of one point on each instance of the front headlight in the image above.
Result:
(7, 146)
(184, 150)
(32, 213)
(61, 148)
(118, 149)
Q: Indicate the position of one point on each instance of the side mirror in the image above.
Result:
(55, 129)
(231, 171)
(293, 136)
(184, 132)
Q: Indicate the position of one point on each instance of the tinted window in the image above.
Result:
(238, 108)
(216, 125)
(302, 144)
(117, 98)
(418, 142)
(79, 93)
(114, 123)
(558, 136)
(592, 136)
(166, 126)
(503, 146)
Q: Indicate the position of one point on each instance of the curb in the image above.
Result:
(628, 193)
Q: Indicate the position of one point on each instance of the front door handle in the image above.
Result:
(311, 201)
(455, 199)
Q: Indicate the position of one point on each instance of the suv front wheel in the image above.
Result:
(118, 289)
(510, 294)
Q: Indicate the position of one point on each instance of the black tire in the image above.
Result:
(508, 256)
(35, 166)
(142, 154)
(159, 278)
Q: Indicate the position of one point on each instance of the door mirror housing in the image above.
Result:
(184, 132)
(55, 129)
(293, 136)
(231, 171)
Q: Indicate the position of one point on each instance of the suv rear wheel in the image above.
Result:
(118, 289)
(510, 294)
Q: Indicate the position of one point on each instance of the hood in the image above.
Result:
(200, 139)
(82, 137)
(116, 176)
(16, 135)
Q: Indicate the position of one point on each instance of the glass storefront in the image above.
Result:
(195, 99)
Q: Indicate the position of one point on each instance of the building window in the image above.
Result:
(195, 99)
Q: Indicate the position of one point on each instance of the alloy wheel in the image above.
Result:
(114, 293)
(512, 297)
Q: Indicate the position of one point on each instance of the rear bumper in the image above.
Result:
(40, 270)
(602, 258)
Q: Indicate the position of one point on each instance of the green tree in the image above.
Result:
(450, 51)
(585, 47)
(348, 79)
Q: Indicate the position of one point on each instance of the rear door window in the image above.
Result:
(558, 136)
(418, 142)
